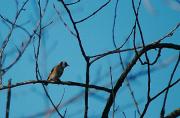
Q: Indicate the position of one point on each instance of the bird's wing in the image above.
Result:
(51, 74)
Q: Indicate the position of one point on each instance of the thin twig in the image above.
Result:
(64, 23)
(73, 3)
(23, 48)
(124, 114)
(16, 25)
(169, 83)
(112, 92)
(162, 91)
(5, 42)
(92, 14)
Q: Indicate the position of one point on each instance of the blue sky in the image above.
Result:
(96, 35)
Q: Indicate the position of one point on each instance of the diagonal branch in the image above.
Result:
(128, 69)
(174, 114)
(166, 94)
(92, 14)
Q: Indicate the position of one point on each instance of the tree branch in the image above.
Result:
(128, 69)
(92, 14)
(8, 99)
(174, 114)
(169, 83)
(68, 83)
(86, 58)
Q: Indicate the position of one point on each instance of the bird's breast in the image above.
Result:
(60, 72)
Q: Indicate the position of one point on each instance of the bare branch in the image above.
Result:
(174, 114)
(8, 99)
(73, 3)
(86, 58)
(84, 19)
(128, 69)
(68, 83)
(121, 60)
(166, 94)
(99, 56)
(76, 30)
(64, 23)
(112, 92)
(5, 42)
(16, 25)
(162, 91)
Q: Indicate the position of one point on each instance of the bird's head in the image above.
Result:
(63, 64)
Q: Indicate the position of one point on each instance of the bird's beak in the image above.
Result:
(67, 65)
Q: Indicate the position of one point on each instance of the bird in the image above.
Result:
(57, 72)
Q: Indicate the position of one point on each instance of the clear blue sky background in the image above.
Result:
(156, 17)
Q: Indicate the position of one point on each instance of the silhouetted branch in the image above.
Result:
(64, 23)
(135, 25)
(174, 114)
(56, 109)
(86, 58)
(121, 60)
(124, 114)
(162, 91)
(169, 83)
(22, 49)
(128, 69)
(16, 25)
(76, 30)
(99, 56)
(7, 39)
(68, 4)
(8, 99)
(5, 42)
(169, 34)
(35, 33)
(148, 93)
(92, 14)
(68, 83)
(112, 91)
(36, 55)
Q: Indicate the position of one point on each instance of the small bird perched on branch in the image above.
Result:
(57, 71)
